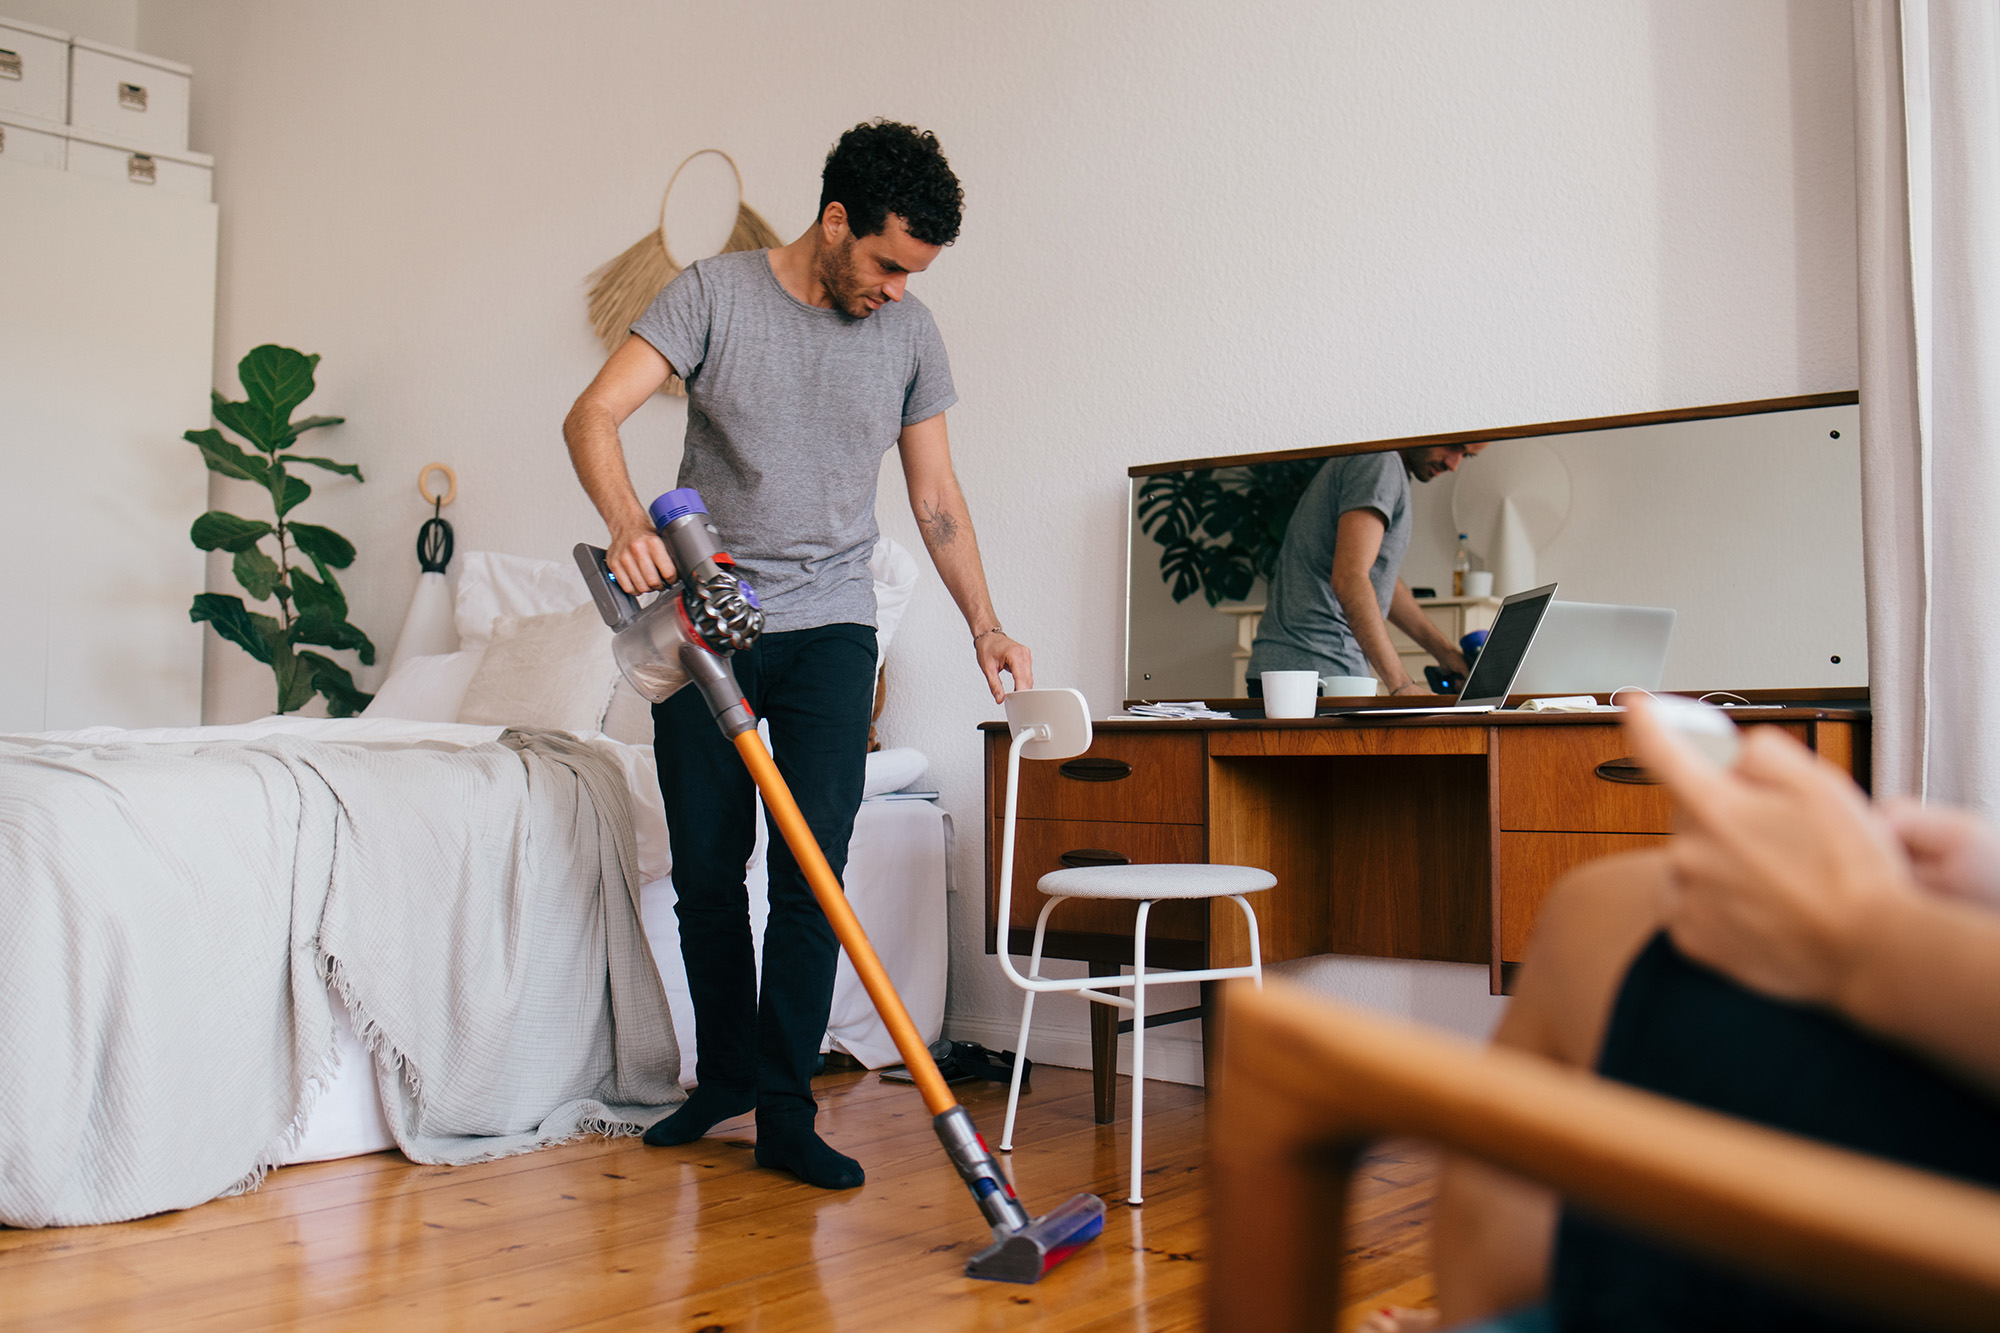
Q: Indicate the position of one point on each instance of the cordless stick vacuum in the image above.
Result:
(688, 634)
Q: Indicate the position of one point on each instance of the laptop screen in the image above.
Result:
(1506, 647)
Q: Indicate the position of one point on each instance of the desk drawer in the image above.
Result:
(1531, 863)
(1040, 845)
(1550, 779)
(1124, 777)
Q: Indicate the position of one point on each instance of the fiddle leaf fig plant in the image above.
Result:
(1220, 529)
(271, 556)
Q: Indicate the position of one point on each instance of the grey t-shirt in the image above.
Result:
(790, 409)
(1303, 627)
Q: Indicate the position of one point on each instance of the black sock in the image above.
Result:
(795, 1148)
(704, 1109)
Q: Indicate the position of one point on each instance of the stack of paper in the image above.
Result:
(1174, 712)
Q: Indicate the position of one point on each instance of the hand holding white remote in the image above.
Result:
(1704, 728)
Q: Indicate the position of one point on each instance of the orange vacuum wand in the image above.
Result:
(1023, 1248)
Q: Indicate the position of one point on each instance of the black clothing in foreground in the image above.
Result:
(1684, 1031)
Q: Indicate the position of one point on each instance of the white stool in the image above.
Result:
(1055, 724)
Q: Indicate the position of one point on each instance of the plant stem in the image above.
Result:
(284, 576)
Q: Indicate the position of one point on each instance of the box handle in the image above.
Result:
(10, 65)
(1092, 856)
(132, 97)
(141, 170)
(1096, 770)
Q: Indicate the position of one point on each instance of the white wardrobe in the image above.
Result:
(107, 317)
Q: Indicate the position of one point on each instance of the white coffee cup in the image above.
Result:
(1289, 693)
(1479, 583)
(1350, 686)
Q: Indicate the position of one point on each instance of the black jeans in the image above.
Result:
(816, 687)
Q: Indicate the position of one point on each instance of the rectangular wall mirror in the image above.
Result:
(1745, 518)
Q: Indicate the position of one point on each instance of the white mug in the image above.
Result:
(1351, 686)
(1479, 583)
(1289, 693)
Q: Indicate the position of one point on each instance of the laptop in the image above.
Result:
(1493, 672)
(1593, 648)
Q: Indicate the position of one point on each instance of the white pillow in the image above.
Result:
(426, 689)
(491, 585)
(551, 670)
(630, 717)
(895, 571)
(892, 770)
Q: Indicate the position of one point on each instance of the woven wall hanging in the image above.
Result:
(622, 289)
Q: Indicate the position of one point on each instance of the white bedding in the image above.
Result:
(170, 914)
(897, 866)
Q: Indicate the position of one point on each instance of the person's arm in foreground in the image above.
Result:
(632, 375)
(1407, 616)
(947, 527)
(1784, 878)
(1357, 541)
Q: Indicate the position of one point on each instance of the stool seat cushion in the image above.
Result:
(1155, 881)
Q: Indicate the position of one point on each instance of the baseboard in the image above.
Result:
(1172, 1054)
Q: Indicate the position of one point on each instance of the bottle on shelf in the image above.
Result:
(1461, 565)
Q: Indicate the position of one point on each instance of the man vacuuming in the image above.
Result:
(803, 365)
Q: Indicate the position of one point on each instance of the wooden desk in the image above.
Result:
(1429, 838)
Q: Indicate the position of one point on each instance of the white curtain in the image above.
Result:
(1927, 134)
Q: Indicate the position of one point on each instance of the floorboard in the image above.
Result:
(608, 1234)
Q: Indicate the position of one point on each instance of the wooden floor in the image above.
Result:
(608, 1234)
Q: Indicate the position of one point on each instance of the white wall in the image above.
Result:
(1191, 229)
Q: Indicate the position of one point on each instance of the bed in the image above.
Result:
(445, 926)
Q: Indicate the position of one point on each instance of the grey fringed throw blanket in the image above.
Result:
(169, 914)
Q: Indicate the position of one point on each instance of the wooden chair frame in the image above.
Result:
(1305, 1084)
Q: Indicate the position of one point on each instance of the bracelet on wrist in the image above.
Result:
(983, 633)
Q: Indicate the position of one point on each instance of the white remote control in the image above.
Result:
(1705, 727)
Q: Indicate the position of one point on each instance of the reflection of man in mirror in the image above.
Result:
(1337, 588)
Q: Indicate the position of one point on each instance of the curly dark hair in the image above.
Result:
(881, 167)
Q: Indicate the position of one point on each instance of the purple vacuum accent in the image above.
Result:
(677, 504)
(750, 596)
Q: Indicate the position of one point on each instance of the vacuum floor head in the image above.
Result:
(1042, 1244)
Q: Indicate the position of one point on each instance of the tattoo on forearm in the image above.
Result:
(940, 528)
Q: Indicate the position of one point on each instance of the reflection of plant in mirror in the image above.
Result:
(310, 610)
(1222, 528)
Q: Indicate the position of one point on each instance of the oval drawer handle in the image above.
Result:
(1079, 857)
(1627, 770)
(1096, 770)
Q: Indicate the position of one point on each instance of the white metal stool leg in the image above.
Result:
(1139, 1048)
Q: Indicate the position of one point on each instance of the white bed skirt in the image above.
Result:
(897, 864)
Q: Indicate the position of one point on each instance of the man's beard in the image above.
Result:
(836, 274)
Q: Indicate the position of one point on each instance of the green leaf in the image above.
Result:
(291, 432)
(276, 380)
(351, 469)
(308, 591)
(224, 457)
(318, 624)
(295, 678)
(244, 628)
(324, 545)
(257, 572)
(245, 420)
(219, 531)
(332, 680)
(287, 492)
